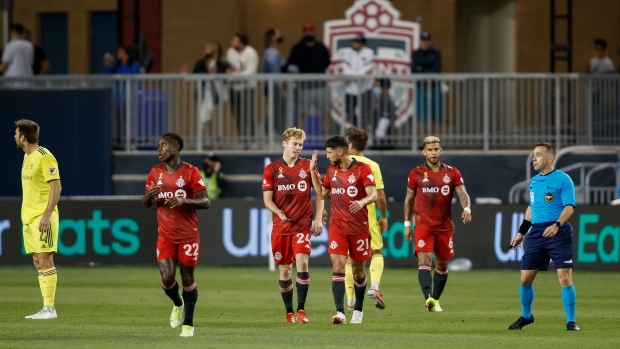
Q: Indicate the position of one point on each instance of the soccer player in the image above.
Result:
(352, 187)
(286, 193)
(431, 186)
(358, 139)
(552, 202)
(41, 191)
(178, 189)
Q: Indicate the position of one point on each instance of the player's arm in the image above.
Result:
(523, 229)
(465, 202)
(319, 190)
(55, 189)
(319, 217)
(371, 196)
(150, 194)
(199, 202)
(268, 200)
(409, 200)
(551, 230)
(382, 207)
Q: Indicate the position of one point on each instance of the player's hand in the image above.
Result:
(516, 241)
(315, 155)
(317, 227)
(466, 217)
(44, 224)
(408, 234)
(356, 206)
(283, 217)
(324, 216)
(550, 231)
(383, 224)
(153, 191)
(175, 202)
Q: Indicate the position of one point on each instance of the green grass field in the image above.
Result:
(124, 307)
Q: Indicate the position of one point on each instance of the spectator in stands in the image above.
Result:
(358, 60)
(273, 62)
(425, 60)
(211, 63)
(383, 113)
(18, 55)
(41, 65)
(600, 63)
(244, 61)
(125, 62)
(310, 56)
(212, 176)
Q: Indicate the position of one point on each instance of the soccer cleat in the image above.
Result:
(339, 319)
(47, 313)
(437, 307)
(522, 322)
(176, 317)
(378, 298)
(187, 331)
(572, 326)
(357, 317)
(351, 304)
(290, 318)
(301, 317)
(430, 303)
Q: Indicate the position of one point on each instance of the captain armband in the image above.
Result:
(525, 226)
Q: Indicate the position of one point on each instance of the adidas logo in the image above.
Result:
(568, 261)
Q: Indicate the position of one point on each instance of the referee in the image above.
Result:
(552, 202)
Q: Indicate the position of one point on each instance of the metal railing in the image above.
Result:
(471, 111)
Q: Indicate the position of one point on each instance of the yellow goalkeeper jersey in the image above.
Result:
(38, 169)
(376, 171)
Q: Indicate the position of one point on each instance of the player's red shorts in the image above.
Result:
(185, 253)
(357, 246)
(426, 241)
(284, 248)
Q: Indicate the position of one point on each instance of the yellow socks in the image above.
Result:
(47, 282)
(376, 270)
(348, 282)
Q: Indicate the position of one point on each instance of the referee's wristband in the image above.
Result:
(525, 226)
(407, 223)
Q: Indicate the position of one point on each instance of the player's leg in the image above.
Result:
(348, 284)
(286, 290)
(284, 257)
(569, 297)
(43, 245)
(561, 251)
(376, 265)
(424, 242)
(302, 284)
(190, 297)
(360, 252)
(166, 261)
(338, 263)
(444, 251)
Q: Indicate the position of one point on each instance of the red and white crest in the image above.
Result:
(392, 39)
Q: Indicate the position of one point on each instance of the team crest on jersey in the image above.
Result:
(425, 177)
(421, 243)
(277, 256)
(446, 179)
(180, 182)
(351, 179)
(549, 197)
(280, 175)
(333, 245)
(303, 174)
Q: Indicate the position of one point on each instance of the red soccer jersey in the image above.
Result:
(291, 188)
(179, 224)
(346, 186)
(433, 196)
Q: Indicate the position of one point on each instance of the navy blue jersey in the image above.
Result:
(549, 194)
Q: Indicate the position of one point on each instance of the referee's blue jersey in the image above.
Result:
(549, 194)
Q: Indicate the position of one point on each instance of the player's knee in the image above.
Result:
(302, 266)
(167, 279)
(526, 281)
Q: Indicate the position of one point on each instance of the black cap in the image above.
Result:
(425, 36)
(359, 38)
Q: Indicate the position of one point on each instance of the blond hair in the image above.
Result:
(431, 140)
(293, 132)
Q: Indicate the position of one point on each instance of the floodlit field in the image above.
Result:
(124, 307)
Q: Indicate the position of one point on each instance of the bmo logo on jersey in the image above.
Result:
(338, 191)
(432, 190)
(282, 187)
(179, 193)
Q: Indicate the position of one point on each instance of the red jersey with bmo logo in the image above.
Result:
(291, 188)
(433, 196)
(346, 186)
(179, 224)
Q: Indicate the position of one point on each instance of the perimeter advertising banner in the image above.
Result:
(236, 232)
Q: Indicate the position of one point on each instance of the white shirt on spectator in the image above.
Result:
(603, 65)
(19, 54)
(357, 63)
(244, 62)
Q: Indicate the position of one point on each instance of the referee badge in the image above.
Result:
(549, 197)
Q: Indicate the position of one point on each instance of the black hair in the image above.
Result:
(337, 142)
(601, 42)
(243, 38)
(18, 28)
(269, 35)
(385, 83)
(176, 137)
